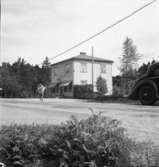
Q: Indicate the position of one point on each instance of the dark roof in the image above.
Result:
(87, 58)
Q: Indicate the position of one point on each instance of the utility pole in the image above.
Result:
(93, 70)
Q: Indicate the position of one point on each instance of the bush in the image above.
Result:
(123, 86)
(101, 86)
(117, 91)
(83, 91)
(96, 141)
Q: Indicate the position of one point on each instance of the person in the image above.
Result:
(41, 90)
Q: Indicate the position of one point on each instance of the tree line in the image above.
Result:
(20, 79)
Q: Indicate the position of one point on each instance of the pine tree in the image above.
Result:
(46, 63)
(46, 72)
(130, 57)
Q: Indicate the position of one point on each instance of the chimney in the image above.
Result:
(82, 53)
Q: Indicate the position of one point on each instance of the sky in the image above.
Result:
(34, 29)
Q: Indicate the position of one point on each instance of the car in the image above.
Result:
(146, 88)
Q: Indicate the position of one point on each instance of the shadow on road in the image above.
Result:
(119, 100)
(139, 104)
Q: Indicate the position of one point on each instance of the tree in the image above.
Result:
(46, 63)
(130, 57)
(144, 67)
(20, 79)
(26, 77)
(129, 64)
(8, 81)
(101, 85)
(46, 72)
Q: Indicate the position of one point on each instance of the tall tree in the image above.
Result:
(46, 63)
(130, 57)
(46, 72)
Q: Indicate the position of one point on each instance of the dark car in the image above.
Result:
(146, 88)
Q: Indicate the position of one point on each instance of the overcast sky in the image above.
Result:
(34, 29)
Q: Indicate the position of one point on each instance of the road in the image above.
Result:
(141, 122)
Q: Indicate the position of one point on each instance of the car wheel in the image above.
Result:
(147, 95)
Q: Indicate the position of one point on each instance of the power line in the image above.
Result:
(105, 29)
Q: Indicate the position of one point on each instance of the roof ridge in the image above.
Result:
(84, 57)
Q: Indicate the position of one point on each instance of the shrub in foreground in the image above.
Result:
(96, 141)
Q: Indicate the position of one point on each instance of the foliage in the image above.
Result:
(145, 154)
(129, 58)
(101, 86)
(117, 86)
(46, 72)
(21, 79)
(46, 63)
(144, 67)
(122, 84)
(117, 91)
(97, 141)
(83, 91)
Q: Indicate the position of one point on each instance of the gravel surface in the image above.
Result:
(141, 122)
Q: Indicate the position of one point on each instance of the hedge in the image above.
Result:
(83, 91)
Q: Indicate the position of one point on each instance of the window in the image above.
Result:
(67, 68)
(84, 82)
(103, 68)
(53, 90)
(84, 67)
(65, 89)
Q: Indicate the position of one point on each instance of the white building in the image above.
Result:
(78, 71)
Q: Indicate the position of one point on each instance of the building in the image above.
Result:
(78, 71)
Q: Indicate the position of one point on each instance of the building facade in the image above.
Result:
(79, 70)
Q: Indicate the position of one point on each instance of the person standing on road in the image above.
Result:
(41, 90)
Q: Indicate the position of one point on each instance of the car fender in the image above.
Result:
(143, 82)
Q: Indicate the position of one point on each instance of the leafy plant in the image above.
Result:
(97, 141)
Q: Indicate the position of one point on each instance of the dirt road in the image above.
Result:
(141, 122)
